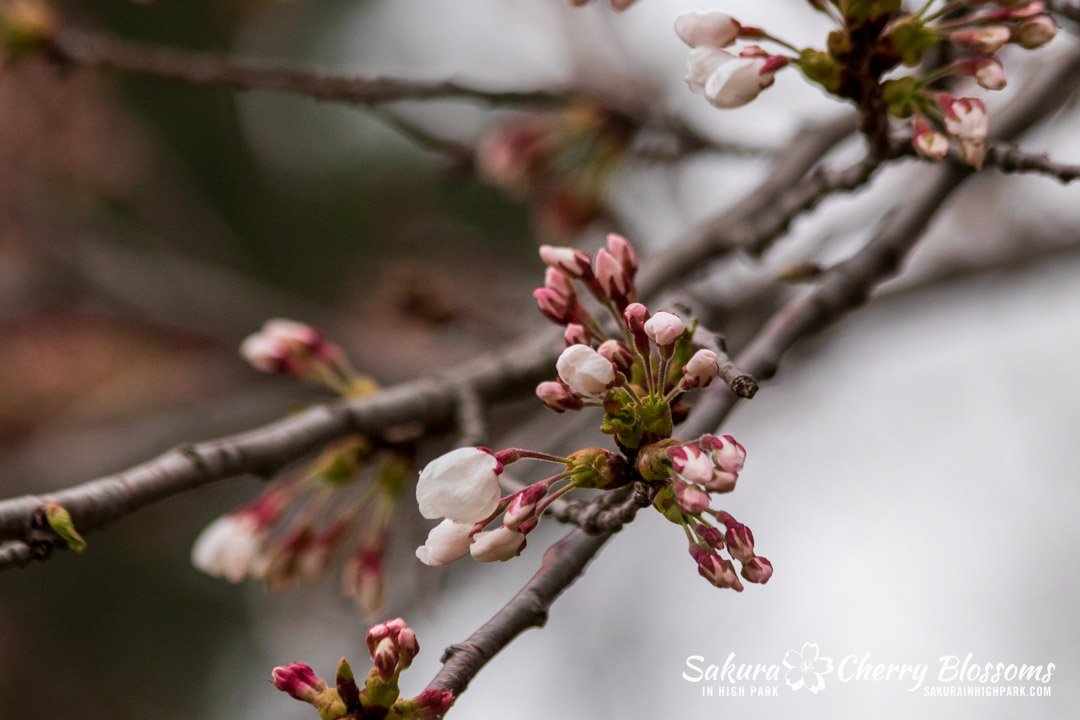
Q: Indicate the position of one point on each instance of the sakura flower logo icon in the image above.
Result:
(807, 668)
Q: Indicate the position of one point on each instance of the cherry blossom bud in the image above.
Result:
(497, 545)
(1035, 32)
(988, 72)
(612, 278)
(636, 315)
(711, 535)
(727, 454)
(691, 463)
(575, 263)
(299, 681)
(701, 64)
(585, 371)
(715, 569)
(364, 580)
(576, 334)
(446, 542)
(967, 121)
(522, 505)
(555, 307)
(511, 156)
(617, 353)
(986, 40)
(700, 369)
(757, 570)
(287, 346)
(664, 329)
(428, 705)
(739, 541)
(461, 485)
(928, 142)
(230, 546)
(707, 30)
(393, 646)
(623, 251)
(557, 396)
(690, 497)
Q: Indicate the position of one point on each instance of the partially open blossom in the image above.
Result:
(691, 463)
(690, 496)
(664, 329)
(757, 570)
(229, 546)
(707, 30)
(299, 681)
(967, 121)
(462, 485)
(986, 40)
(497, 545)
(727, 453)
(446, 542)
(1035, 32)
(700, 369)
(988, 72)
(393, 646)
(733, 80)
(575, 263)
(557, 396)
(701, 64)
(585, 371)
(928, 142)
(522, 505)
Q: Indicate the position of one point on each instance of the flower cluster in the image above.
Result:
(345, 498)
(392, 646)
(636, 366)
(558, 161)
(874, 38)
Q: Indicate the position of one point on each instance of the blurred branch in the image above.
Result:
(1065, 8)
(1010, 159)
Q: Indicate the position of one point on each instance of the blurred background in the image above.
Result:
(911, 473)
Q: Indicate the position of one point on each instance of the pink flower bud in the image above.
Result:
(585, 371)
(727, 454)
(619, 355)
(299, 681)
(612, 278)
(664, 329)
(289, 347)
(428, 705)
(729, 81)
(364, 580)
(715, 569)
(511, 156)
(576, 334)
(623, 251)
(691, 463)
(988, 72)
(708, 30)
(558, 396)
(928, 142)
(691, 498)
(636, 315)
(575, 263)
(740, 541)
(757, 570)
(700, 369)
(497, 545)
(393, 646)
(711, 535)
(522, 505)
(556, 307)
(986, 40)
(446, 542)
(1035, 32)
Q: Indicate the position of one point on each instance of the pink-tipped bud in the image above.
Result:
(288, 347)
(393, 646)
(664, 329)
(739, 541)
(707, 30)
(711, 535)
(988, 72)
(299, 681)
(636, 315)
(986, 40)
(612, 278)
(715, 569)
(966, 119)
(522, 505)
(1035, 32)
(557, 396)
(623, 251)
(428, 705)
(364, 580)
(558, 281)
(576, 334)
(757, 570)
(727, 453)
(691, 463)
(700, 369)
(691, 498)
(619, 355)
(575, 263)
(498, 545)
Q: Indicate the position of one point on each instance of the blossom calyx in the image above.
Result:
(598, 468)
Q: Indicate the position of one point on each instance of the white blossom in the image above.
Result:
(461, 485)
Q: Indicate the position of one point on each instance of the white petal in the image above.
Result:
(462, 484)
